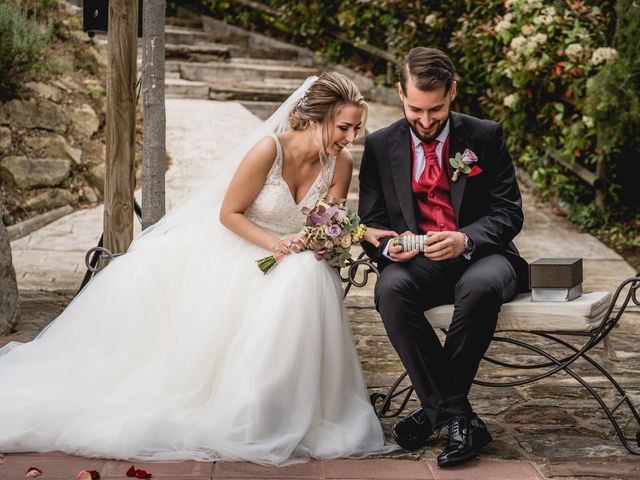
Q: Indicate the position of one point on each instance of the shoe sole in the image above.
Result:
(411, 447)
(482, 442)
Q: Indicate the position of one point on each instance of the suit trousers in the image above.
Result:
(442, 374)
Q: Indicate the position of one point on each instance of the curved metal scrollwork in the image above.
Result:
(95, 259)
(361, 265)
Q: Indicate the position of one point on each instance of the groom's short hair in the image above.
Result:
(429, 68)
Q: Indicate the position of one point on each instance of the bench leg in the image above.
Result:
(609, 349)
(564, 365)
(382, 401)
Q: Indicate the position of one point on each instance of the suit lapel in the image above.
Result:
(399, 154)
(458, 142)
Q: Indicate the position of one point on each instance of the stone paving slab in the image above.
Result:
(59, 466)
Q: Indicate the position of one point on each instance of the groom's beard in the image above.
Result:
(426, 138)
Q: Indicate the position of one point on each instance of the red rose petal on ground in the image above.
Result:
(143, 474)
(33, 472)
(88, 475)
(132, 471)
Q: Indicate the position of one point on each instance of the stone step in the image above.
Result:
(263, 97)
(260, 45)
(356, 152)
(198, 53)
(262, 53)
(354, 185)
(185, 18)
(238, 45)
(179, 88)
(189, 36)
(258, 91)
(262, 110)
(352, 201)
(286, 63)
(237, 72)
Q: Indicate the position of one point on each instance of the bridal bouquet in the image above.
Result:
(331, 228)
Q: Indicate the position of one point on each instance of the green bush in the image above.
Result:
(613, 101)
(23, 45)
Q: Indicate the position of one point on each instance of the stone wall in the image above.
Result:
(9, 307)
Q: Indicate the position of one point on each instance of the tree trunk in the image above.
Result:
(9, 306)
(120, 126)
(153, 150)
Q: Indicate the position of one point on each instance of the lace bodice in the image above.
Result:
(275, 209)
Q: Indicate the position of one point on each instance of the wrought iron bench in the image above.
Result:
(589, 318)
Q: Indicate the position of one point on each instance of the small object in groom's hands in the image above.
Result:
(411, 242)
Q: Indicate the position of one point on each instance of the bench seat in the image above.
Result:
(581, 315)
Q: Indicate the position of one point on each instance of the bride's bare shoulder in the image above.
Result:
(263, 153)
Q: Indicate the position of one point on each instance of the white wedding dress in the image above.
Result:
(183, 349)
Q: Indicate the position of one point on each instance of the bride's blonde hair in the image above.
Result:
(330, 92)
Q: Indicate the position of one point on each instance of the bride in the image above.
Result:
(183, 349)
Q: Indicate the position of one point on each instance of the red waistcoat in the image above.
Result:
(434, 212)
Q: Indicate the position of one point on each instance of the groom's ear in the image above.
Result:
(400, 92)
(453, 91)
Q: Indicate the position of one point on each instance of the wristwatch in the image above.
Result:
(469, 245)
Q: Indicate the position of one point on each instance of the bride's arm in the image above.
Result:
(242, 191)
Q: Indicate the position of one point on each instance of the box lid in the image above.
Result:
(555, 273)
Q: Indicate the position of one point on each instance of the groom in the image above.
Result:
(408, 185)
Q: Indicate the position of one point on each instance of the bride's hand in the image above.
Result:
(292, 244)
(373, 235)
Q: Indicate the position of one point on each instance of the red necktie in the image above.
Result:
(431, 167)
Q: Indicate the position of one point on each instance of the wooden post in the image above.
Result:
(153, 149)
(121, 124)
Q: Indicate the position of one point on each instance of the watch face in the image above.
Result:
(468, 244)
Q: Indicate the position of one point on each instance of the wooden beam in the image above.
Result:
(120, 124)
(153, 149)
(582, 173)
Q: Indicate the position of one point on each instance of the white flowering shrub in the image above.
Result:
(538, 87)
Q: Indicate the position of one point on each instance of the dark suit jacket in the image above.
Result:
(487, 206)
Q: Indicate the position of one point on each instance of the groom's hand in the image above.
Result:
(444, 245)
(396, 252)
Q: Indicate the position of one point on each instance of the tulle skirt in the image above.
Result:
(183, 349)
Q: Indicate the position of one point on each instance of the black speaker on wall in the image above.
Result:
(95, 16)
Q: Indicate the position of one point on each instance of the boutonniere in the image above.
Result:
(462, 162)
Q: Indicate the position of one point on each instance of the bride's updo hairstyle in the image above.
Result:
(330, 92)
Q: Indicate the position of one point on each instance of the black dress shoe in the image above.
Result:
(412, 432)
(467, 435)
